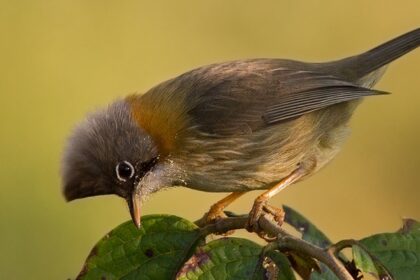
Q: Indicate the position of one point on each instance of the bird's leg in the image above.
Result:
(260, 202)
(216, 210)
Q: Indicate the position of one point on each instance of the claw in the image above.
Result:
(255, 214)
(216, 210)
(261, 208)
(278, 213)
(214, 214)
(260, 203)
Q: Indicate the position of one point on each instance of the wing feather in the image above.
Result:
(245, 96)
(300, 103)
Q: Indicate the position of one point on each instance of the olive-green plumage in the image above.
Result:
(234, 126)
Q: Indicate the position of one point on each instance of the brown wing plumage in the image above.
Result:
(248, 95)
(245, 96)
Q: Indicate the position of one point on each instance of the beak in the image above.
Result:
(135, 209)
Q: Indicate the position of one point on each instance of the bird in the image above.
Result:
(233, 127)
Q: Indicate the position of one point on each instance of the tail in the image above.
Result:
(355, 68)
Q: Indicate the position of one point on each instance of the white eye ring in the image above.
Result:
(124, 171)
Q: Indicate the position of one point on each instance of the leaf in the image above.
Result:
(225, 258)
(303, 264)
(399, 252)
(313, 235)
(363, 261)
(366, 263)
(274, 265)
(284, 271)
(309, 231)
(155, 251)
(326, 274)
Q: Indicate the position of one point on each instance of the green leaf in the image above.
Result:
(399, 252)
(284, 271)
(313, 235)
(225, 258)
(308, 230)
(155, 251)
(304, 265)
(274, 265)
(363, 261)
(326, 274)
(367, 263)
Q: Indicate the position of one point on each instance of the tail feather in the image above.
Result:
(356, 67)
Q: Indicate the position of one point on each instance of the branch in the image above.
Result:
(284, 241)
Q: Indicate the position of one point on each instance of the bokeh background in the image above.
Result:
(62, 59)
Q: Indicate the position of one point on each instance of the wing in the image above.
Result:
(294, 105)
(245, 96)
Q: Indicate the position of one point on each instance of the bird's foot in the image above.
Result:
(216, 211)
(260, 208)
(215, 214)
(277, 213)
(255, 214)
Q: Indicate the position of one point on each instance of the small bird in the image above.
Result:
(239, 126)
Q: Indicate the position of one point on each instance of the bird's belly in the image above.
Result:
(259, 161)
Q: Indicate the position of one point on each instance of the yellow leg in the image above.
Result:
(216, 210)
(261, 201)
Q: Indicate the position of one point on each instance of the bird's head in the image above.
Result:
(109, 153)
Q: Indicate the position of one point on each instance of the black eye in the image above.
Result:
(124, 170)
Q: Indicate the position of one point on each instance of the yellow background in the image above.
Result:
(62, 59)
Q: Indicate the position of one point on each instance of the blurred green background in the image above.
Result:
(62, 59)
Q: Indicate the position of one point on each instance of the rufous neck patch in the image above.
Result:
(158, 118)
